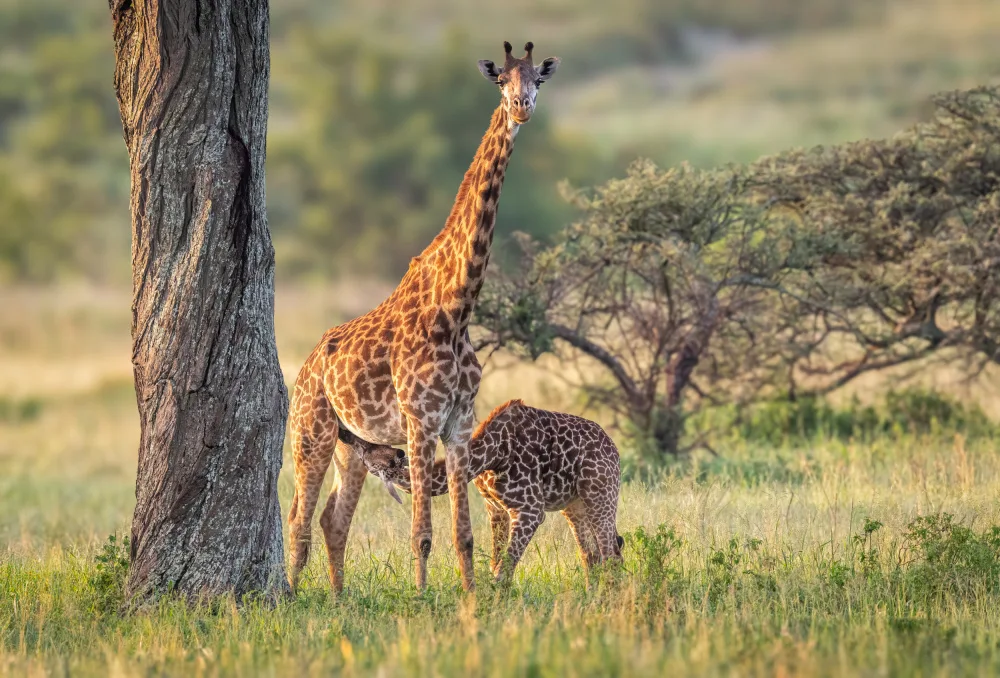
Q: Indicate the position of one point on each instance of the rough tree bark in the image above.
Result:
(191, 78)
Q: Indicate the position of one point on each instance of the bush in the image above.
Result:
(948, 557)
(17, 411)
(655, 553)
(107, 584)
(906, 412)
(922, 411)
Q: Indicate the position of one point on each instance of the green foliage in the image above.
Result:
(911, 411)
(63, 170)
(655, 554)
(755, 472)
(806, 418)
(951, 558)
(867, 553)
(737, 564)
(923, 411)
(107, 581)
(936, 558)
(19, 410)
(369, 135)
(905, 225)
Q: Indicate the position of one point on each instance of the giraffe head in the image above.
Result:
(519, 80)
(388, 465)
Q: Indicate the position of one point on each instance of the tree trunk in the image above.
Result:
(191, 78)
(668, 427)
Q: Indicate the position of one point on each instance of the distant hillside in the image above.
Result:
(377, 108)
(743, 97)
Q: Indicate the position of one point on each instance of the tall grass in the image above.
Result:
(806, 555)
(825, 557)
(744, 606)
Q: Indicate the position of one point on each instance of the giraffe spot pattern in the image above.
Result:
(526, 461)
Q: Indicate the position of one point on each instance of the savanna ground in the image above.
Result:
(799, 559)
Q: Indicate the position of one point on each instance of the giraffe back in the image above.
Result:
(540, 456)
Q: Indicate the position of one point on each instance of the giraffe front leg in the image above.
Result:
(421, 449)
(457, 463)
(523, 524)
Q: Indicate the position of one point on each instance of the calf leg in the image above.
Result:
(499, 522)
(579, 524)
(523, 523)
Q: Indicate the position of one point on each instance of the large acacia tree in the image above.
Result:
(912, 270)
(674, 287)
(191, 78)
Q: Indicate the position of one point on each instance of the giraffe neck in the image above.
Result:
(458, 256)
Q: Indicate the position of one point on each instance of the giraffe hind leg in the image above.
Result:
(340, 507)
(313, 436)
(499, 523)
(579, 525)
(601, 510)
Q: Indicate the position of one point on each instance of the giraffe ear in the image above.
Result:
(490, 70)
(547, 68)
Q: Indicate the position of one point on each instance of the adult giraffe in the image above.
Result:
(406, 373)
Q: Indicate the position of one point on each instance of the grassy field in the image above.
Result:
(761, 563)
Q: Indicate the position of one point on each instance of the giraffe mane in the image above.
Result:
(497, 411)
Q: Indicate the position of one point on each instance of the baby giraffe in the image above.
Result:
(527, 461)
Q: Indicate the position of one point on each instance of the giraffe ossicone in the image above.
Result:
(406, 373)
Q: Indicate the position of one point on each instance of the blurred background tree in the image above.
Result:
(377, 108)
(671, 284)
(63, 167)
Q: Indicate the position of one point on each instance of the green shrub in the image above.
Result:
(655, 553)
(107, 584)
(922, 411)
(947, 557)
(17, 411)
(910, 411)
